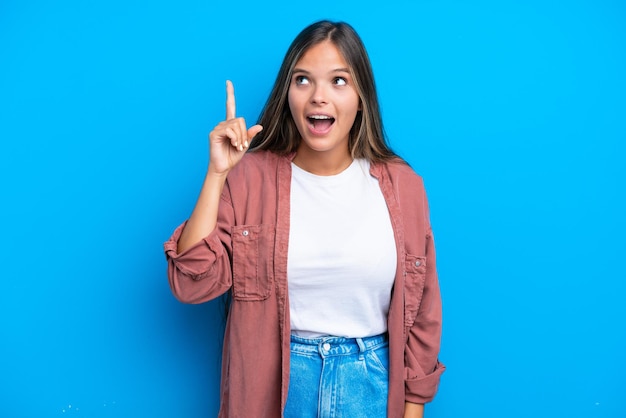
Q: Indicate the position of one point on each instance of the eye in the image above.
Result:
(340, 81)
(301, 80)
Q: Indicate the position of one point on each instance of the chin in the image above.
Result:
(319, 145)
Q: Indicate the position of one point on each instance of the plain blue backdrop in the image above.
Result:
(512, 111)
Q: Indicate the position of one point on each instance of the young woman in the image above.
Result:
(321, 234)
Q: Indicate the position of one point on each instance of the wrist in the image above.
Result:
(215, 174)
(413, 410)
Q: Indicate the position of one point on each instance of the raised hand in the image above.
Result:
(228, 142)
(230, 139)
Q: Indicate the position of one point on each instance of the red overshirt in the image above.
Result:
(247, 253)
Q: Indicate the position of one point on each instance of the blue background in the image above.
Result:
(513, 111)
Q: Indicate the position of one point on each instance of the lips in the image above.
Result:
(320, 124)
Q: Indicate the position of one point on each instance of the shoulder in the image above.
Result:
(261, 158)
(400, 173)
(410, 193)
(255, 175)
(255, 165)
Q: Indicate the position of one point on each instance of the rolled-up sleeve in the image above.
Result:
(200, 273)
(422, 367)
(203, 271)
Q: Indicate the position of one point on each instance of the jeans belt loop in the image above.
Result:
(361, 344)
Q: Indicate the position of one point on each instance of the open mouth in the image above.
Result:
(320, 123)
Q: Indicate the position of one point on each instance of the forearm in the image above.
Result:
(413, 410)
(203, 219)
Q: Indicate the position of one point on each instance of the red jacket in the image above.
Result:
(247, 254)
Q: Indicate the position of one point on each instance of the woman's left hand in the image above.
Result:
(413, 410)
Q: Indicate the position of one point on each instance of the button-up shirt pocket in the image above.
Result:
(415, 276)
(252, 273)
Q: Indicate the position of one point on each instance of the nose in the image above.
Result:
(319, 94)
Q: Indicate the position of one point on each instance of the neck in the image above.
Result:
(321, 163)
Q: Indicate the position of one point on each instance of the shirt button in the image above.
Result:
(417, 263)
(245, 233)
(326, 346)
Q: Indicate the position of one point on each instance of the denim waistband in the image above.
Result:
(336, 346)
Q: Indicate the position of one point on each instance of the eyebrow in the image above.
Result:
(336, 70)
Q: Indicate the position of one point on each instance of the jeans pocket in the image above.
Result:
(380, 357)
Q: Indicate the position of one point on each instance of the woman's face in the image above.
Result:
(324, 102)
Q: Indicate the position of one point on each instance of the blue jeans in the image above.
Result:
(335, 377)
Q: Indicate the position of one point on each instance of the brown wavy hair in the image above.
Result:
(367, 137)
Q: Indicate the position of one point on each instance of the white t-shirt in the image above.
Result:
(342, 254)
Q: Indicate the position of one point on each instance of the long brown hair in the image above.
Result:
(367, 137)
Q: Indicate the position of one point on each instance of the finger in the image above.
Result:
(224, 130)
(230, 100)
(253, 131)
(241, 125)
(238, 138)
(232, 136)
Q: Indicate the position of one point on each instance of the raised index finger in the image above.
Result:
(230, 100)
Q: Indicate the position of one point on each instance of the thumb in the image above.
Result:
(254, 130)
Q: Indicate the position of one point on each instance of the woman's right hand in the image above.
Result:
(228, 142)
(230, 139)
